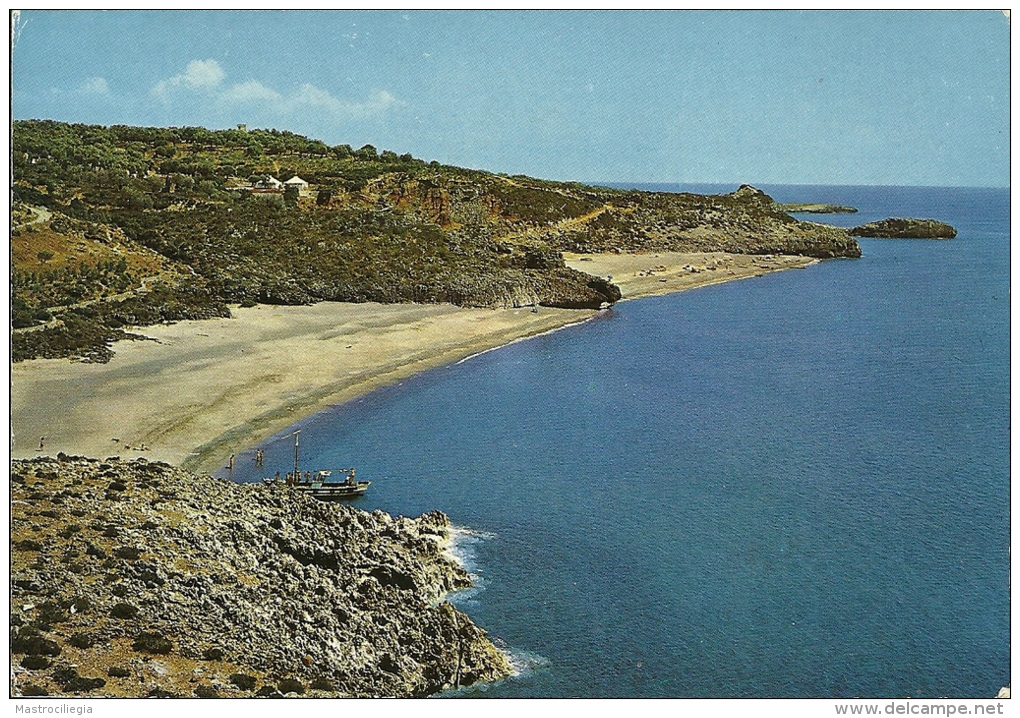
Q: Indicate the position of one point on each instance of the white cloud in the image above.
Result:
(206, 78)
(94, 86)
(310, 96)
(251, 91)
(379, 102)
(202, 75)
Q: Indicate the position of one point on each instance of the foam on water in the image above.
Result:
(461, 548)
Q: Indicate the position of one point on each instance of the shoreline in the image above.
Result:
(198, 391)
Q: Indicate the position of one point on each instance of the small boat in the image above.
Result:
(319, 485)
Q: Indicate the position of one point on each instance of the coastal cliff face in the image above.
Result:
(747, 221)
(139, 579)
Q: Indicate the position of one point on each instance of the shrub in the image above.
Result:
(124, 610)
(34, 663)
(243, 681)
(70, 680)
(149, 642)
(82, 640)
(118, 672)
(52, 612)
(29, 640)
(291, 685)
(69, 531)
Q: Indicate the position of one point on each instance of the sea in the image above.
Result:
(795, 485)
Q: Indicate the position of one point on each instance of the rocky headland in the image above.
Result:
(134, 578)
(816, 208)
(905, 228)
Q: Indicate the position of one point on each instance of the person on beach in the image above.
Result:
(230, 464)
(42, 443)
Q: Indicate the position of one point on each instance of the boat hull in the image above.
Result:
(326, 491)
(334, 492)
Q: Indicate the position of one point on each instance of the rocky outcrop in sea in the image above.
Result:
(905, 228)
(133, 578)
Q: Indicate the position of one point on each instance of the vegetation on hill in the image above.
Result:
(117, 226)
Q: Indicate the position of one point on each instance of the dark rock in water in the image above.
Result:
(271, 589)
(899, 228)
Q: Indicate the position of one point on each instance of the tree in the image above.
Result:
(367, 152)
(45, 255)
(291, 195)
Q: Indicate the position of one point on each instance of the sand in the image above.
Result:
(198, 391)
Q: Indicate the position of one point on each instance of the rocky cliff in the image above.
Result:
(139, 579)
(746, 221)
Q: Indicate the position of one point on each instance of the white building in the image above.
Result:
(269, 182)
(296, 181)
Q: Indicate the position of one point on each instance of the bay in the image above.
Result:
(790, 486)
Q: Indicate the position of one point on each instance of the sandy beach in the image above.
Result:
(198, 391)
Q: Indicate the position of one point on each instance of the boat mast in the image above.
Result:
(296, 474)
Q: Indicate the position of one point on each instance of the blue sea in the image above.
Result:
(789, 486)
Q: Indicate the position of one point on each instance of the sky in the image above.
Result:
(770, 97)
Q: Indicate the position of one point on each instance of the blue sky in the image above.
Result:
(858, 97)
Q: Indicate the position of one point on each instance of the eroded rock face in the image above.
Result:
(746, 221)
(905, 228)
(136, 578)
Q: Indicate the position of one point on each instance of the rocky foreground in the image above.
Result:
(132, 578)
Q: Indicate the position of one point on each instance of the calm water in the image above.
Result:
(796, 485)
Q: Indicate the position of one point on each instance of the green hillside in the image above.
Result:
(127, 226)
